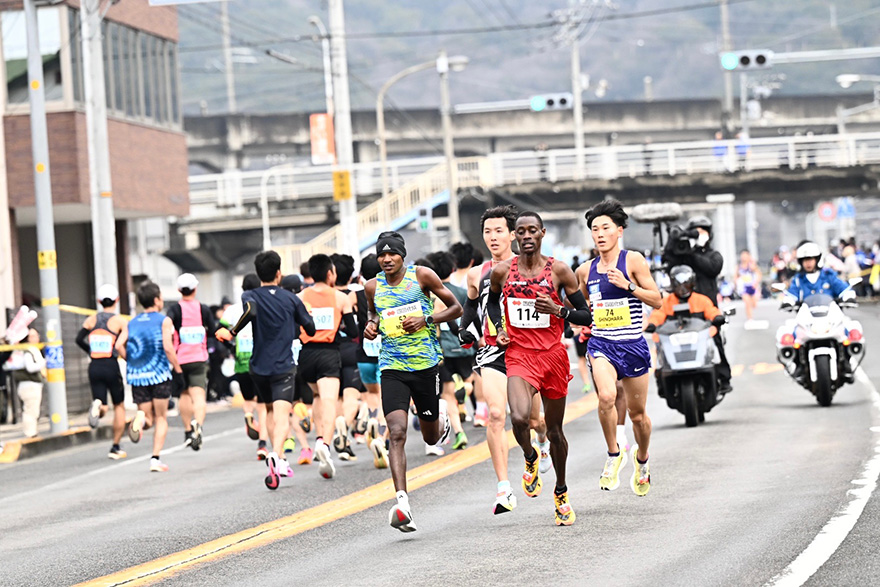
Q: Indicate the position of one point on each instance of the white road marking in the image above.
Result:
(838, 528)
(117, 465)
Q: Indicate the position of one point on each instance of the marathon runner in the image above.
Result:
(400, 308)
(618, 282)
(537, 361)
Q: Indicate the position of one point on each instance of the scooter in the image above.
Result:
(686, 364)
(821, 347)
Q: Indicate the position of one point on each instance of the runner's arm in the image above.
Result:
(168, 345)
(564, 277)
(247, 316)
(429, 280)
(82, 339)
(493, 301)
(349, 323)
(371, 327)
(303, 318)
(121, 340)
(646, 289)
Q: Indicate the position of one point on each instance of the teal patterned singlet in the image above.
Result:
(401, 351)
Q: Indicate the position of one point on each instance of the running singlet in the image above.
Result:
(323, 308)
(489, 331)
(244, 340)
(401, 351)
(146, 362)
(617, 313)
(527, 327)
(102, 341)
(191, 341)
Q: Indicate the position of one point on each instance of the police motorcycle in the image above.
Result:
(687, 358)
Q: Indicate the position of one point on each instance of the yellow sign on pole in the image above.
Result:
(47, 260)
(341, 185)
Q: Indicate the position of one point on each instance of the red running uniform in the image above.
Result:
(536, 352)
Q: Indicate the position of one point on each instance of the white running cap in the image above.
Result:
(187, 281)
(108, 292)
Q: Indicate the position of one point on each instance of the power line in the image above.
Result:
(509, 12)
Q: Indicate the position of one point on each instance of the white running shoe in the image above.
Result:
(380, 453)
(372, 430)
(95, 413)
(283, 468)
(340, 439)
(505, 501)
(400, 517)
(135, 429)
(325, 465)
(444, 422)
(546, 461)
(157, 466)
(433, 450)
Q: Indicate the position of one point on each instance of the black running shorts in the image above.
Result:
(491, 357)
(144, 394)
(318, 361)
(302, 391)
(275, 388)
(423, 387)
(246, 385)
(463, 366)
(351, 378)
(195, 374)
(105, 377)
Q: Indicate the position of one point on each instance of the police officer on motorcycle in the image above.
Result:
(707, 264)
(814, 279)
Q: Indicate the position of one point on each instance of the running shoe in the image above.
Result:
(531, 480)
(505, 501)
(433, 450)
(347, 454)
(289, 445)
(610, 478)
(587, 388)
(116, 453)
(95, 413)
(196, 434)
(460, 392)
(340, 438)
(305, 456)
(187, 438)
(444, 422)
(400, 517)
(135, 429)
(460, 442)
(641, 479)
(282, 467)
(301, 411)
(546, 461)
(262, 451)
(325, 467)
(481, 417)
(360, 438)
(564, 514)
(380, 453)
(363, 415)
(462, 413)
(253, 431)
(372, 430)
(157, 466)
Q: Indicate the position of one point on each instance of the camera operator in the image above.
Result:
(691, 246)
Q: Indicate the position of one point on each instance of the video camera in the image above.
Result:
(680, 238)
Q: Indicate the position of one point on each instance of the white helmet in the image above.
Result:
(809, 250)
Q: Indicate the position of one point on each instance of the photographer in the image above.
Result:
(691, 246)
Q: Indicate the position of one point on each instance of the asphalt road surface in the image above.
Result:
(771, 488)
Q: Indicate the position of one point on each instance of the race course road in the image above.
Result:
(734, 501)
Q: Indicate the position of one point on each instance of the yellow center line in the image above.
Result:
(172, 564)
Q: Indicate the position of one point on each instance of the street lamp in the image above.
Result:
(442, 64)
(846, 80)
(328, 71)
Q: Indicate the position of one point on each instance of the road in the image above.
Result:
(733, 502)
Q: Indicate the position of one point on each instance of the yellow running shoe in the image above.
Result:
(302, 414)
(380, 453)
(641, 479)
(610, 478)
(531, 480)
(564, 514)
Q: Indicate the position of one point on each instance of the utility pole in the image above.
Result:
(46, 255)
(98, 142)
(727, 110)
(342, 127)
(227, 57)
(577, 88)
(448, 149)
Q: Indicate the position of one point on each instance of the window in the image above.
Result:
(132, 77)
(76, 55)
(15, 53)
(122, 97)
(173, 89)
(146, 76)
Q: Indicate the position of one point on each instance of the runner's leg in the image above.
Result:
(397, 422)
(494, 392)
(519, 395)
(554, 414)
(605, 376)
(636, 389)
(280, 425)
(159, 413)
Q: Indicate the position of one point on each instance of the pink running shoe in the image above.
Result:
(306, 456)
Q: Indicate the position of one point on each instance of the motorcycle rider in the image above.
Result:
(707, 264)
(813, 278)
(682, 278)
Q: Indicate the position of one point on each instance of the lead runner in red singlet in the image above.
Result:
(537, 362)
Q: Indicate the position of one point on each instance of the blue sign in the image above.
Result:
(846, 208)
(54, 357)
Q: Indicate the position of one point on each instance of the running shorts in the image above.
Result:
(580, 347)
(369, 373)
(302, 391)
(423, 387)
(195, 374)
(630, 358)
(246, 386)
(144, 394)
(491, 357)
(749, 290)
(105, 377)
(463, 366)
(274, 388)
(319, 361)
(547, 370)
(350, 379)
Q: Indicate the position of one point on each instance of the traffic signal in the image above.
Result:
(423, 221)
(560, 101)
(747, 60)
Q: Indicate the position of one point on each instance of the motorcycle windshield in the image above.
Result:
(687, 324)
(818, 304)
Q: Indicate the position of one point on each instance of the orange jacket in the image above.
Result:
(698, 304)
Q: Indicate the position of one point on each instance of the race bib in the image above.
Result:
(323, 318)
(101, 345)
(522, 314)
(244, 344)
(611, 313)
(192, 335)
(372, 347)
(392, 318)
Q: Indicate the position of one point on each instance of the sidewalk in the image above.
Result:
(16, 447)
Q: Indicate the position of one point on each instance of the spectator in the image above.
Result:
(29, 366)
(464, 260)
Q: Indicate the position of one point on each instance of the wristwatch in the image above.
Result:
(429, 320)
(631, 287)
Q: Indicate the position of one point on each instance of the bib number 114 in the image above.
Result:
(522, 314)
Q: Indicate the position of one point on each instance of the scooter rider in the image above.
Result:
(707, 264)
(813, 279)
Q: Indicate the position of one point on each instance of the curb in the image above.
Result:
(16, 450)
